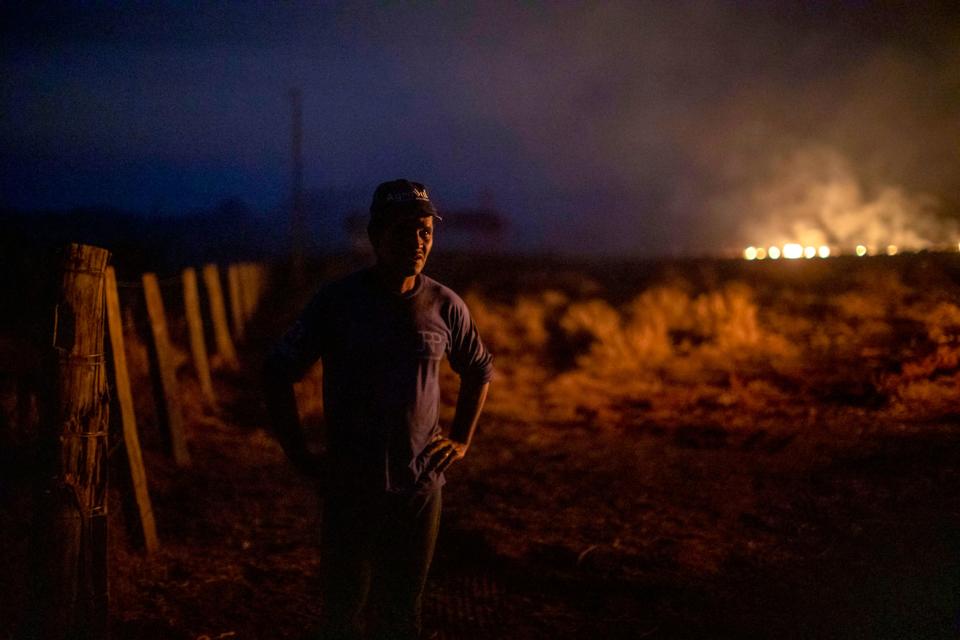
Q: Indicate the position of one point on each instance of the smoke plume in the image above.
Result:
(815, 197)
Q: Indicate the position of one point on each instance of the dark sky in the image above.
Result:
(624, 127)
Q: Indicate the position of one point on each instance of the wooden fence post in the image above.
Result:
(218, 315)
(131, 439)
(247, 293)
(191, 304)
(260, 271)
(254, 287)
(237, 304)
(72, 551)
(170, 405)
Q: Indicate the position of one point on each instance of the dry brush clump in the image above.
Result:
(927, 384)
(519, 335)
(668, 349)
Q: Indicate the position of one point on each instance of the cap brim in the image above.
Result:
(414, 208)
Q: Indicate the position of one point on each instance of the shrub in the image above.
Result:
(667, 349)
(943, 323)
(521, 329)
(610, 343)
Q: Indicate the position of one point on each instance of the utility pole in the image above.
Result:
(298, 215)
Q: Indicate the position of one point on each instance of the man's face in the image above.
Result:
(404, 243)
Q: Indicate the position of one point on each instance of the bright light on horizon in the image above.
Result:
(795, 250)
(792, 251)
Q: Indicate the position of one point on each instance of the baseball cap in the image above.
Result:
(402, 197)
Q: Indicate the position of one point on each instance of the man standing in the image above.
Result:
(380, 334)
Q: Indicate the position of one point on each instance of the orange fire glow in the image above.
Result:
(795, 251)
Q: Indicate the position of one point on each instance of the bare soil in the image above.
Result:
(788, 529)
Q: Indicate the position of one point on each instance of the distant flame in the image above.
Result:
(792, 251)
(795, 250)
(815, 198)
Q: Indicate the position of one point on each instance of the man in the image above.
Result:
(380, 334)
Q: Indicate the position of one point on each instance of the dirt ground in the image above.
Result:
(835, 529)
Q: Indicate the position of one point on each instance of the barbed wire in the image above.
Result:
(135, 284)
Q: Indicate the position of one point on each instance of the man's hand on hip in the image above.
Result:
(441, 453)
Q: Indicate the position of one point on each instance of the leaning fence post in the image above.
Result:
(170, 406)
(71, 570)
(237, 302)
(218, 315)
(252, 284)
(247, 292)
(131, 439)
(259, 276)
(191, 304)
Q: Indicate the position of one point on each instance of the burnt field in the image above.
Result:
(674, 449)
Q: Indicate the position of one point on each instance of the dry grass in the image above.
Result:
(868, 341)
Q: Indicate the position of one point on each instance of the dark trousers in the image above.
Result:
(375, 554)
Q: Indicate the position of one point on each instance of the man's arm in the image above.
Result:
(281, 401)
(470, 401)
(472, 362)
(445, 451)
(288, 361)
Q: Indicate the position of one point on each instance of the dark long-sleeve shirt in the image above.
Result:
(381, 354)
